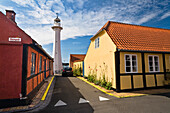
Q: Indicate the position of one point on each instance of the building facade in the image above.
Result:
(24, 64)
(130, 56)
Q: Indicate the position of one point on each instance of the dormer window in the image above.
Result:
(97, 42)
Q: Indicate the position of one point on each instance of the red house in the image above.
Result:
(24, 64)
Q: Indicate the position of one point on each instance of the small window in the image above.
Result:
(40, 65)
(130, 63)
(49, 65)
(97, 43)
(33, 63)
(153, 63)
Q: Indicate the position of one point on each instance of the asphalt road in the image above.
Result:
(72, 95)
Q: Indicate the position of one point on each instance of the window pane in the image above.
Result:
(134, 69)
(150, 64)
(33, 61)
(134, 63)
(150, 58)
(128, 69)
(134, 58)
(156, 64)
(127, 63)
(156, 59)
(156, 69)
(151, 68)
(127, 57)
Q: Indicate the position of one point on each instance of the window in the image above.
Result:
(49, 65)
(153, 63)
(33, 62)
(130, 63)
(40, 65)
(97, 43)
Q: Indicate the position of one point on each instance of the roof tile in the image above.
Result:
(135, 37)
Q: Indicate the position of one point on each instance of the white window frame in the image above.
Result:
(153, 60)
(131, 63)
(97, 42)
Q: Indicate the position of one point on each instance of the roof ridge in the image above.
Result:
(138, 25)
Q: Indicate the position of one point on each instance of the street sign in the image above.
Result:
(14, 39)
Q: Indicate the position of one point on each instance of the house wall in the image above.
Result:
(101, 60)
(33, 81)
(167, 61)
(136, 79)
(125, 81)
(78, 64)
(10, 71)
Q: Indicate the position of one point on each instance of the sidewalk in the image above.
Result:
(130, 93)
(35, 102)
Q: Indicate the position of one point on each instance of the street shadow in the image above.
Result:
(65, 91)
(154, 91)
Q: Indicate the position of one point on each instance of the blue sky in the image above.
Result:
(81, 19)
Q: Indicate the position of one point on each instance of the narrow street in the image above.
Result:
(72, 95)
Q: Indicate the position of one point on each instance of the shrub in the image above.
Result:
(97, 82)
(85, 77)
(77, 72)
(91, 78)
(103, 83)
(108, 85)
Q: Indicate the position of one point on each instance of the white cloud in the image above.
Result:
(77, 21)
(167, 14)
(146, 18)
(3, 8)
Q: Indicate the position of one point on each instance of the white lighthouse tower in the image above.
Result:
(57, 49)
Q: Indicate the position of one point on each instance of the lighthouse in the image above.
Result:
(57, 49)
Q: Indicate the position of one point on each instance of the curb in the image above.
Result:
(37, 105)
(110, 93)
(45, 94)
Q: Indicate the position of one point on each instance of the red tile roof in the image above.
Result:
(76, 58)
(138, 38)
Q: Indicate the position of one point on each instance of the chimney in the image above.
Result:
(10, 14)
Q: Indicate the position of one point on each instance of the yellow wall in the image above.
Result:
(78, 65)
(160, 79)
(101, 60)
(125, 82)
(146, 55)
(150, 81)
(138, 81)
(122, 61)
(167, 62)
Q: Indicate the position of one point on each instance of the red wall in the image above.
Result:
(10, 71)
(9, 29)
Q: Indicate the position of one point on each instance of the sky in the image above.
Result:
(81, 19)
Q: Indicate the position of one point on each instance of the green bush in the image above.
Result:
(77, 72)
(97, 82)
(108, 85)
(91, 78)
(85, 77)
(103, 83)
